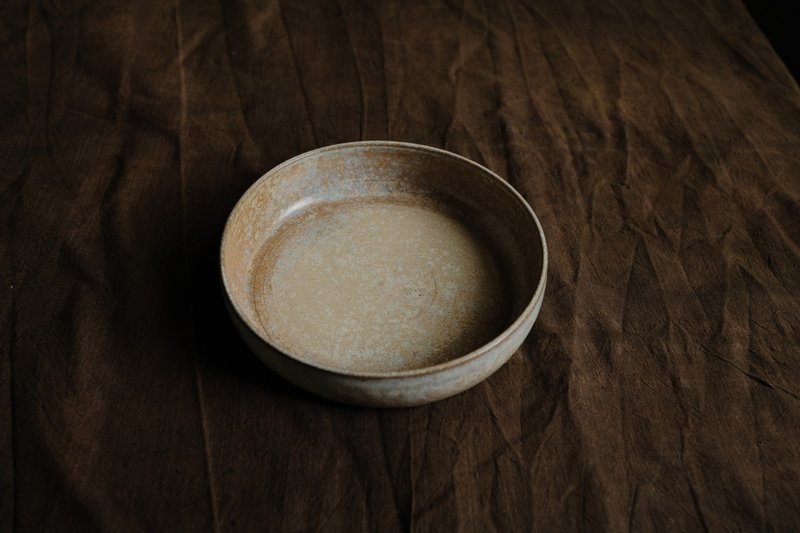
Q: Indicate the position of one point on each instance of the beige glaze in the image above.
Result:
(379, 287)
(383, 273)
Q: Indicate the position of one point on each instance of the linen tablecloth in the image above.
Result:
(657, 141)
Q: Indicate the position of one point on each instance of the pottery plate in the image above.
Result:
(383, 273)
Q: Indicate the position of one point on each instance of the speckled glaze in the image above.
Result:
(383, 273)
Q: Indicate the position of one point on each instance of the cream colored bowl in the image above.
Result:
(383, 273)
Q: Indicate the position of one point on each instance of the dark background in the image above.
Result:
(778, 21)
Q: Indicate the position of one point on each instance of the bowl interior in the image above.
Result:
(374, 258)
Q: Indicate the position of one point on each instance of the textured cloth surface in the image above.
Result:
(657, 141)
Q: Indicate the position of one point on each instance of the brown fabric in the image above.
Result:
(657, 141)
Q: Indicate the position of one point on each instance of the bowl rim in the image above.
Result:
(394, 374)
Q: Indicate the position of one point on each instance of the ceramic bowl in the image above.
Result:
(383, 273)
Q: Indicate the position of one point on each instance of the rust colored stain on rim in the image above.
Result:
(383, 273)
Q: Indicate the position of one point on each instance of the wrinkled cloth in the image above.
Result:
(657, 141)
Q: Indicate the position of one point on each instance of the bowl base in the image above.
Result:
(379, 286)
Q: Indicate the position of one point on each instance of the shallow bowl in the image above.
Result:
(383, 273)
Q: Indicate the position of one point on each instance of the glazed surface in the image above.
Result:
(378, 287)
